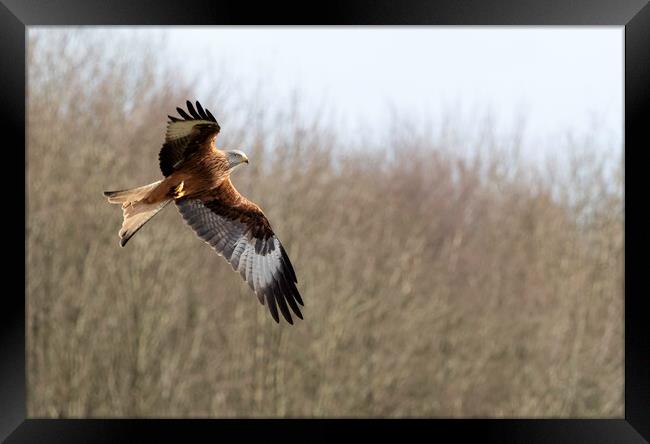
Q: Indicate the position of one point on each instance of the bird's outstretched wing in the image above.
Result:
(185, 134)
(238, 230)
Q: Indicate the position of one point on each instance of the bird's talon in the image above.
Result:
(178, 192)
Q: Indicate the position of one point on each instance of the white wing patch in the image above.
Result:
(182, 128)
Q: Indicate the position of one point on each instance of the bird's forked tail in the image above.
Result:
(136, 212)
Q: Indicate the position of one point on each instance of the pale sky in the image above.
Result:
(560, 78)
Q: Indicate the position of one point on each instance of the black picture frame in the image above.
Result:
(17, 15)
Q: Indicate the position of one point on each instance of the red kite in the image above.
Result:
(197, 179)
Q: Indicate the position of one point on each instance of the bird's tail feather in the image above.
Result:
(135, 211)
(132, 195)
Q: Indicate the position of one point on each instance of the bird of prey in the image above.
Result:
(197, 179)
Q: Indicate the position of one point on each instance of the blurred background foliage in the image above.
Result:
(435, 284)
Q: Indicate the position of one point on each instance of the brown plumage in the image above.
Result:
(197, 178)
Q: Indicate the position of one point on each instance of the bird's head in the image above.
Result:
(235, 158)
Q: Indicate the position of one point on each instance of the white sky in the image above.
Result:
(561, 78)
